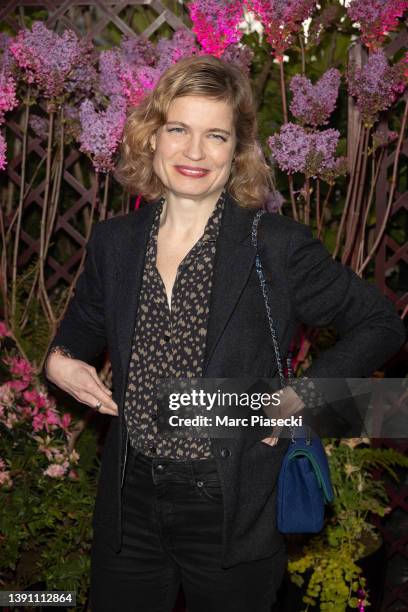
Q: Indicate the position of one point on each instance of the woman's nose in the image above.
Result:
(194, 148)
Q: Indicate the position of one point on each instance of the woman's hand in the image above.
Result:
(80, 380)
(290, 403)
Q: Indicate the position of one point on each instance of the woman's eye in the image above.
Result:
(178, 130)
(219, 136)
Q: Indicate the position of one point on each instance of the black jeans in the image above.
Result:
(172, 534)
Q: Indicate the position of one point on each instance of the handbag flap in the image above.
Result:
(313, 450)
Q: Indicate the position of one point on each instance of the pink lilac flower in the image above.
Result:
(48, 59)
(139, 50)
(82, 80)
(135, 68)
(4, 331)
(296, 149)
(291, 147)
(138, 78)
(376, 18)
(5, 480)
(281, 20)
(55, 470)
(313, 104)
(48, 420)
(109, 69)
(3, 152)
(375, 86)
(239, 54)
(19, 385)
(73, 474)
(215, 23)
(136, 83)
(101, 132)
(133, 53)
(8, 99)
(34, 397)
(20, 367)
(65, 421)
(171, 50)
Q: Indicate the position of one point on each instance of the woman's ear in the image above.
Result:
(152, 142)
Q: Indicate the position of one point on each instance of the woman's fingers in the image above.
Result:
(271, 441)
(93, 391)
(98, 381)
(91, 399)
(80, 380)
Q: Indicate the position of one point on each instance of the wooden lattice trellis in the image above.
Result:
(90, 20)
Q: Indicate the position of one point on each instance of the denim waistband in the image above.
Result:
(179, 466)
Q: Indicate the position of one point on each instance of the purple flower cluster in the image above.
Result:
(8, 99)
(375, 86)
(239, 54)
(134, 69)
(82, 80)
(297, 149)
(313, 104)
(171, 50)
(281, 20)
(101, 132)
(3, 151)
(133, 54)
(376, 18)
(8, 90)
(48, 59)
(274, 201)
(215, 23)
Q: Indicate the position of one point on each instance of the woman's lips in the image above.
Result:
(191, 172)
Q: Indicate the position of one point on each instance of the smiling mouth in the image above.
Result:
(194, 172)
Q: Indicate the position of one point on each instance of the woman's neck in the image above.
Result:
(185, 217)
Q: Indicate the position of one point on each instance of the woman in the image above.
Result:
(171, 290)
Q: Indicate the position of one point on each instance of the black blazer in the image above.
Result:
(306, 285)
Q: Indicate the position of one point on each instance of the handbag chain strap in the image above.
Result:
(262, 281)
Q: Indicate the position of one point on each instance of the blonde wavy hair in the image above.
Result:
(250, 178)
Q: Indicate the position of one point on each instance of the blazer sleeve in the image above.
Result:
(82, 330)
(325, 292)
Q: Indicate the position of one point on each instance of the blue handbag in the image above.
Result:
(304, 485)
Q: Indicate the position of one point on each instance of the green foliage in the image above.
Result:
(331, 556)
(45, 522)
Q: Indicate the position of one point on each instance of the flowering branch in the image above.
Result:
(390, 195)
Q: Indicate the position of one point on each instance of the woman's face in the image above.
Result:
(194, 149)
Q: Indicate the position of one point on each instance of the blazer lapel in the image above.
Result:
(234, 260)
(130, 256)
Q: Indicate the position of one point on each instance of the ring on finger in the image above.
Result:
(98, 405)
